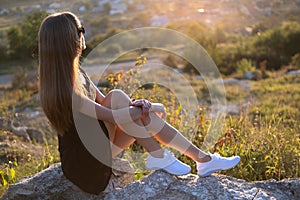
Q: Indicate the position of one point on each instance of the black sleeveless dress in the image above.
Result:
(78, 164)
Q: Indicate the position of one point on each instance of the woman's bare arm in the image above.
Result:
(117, 116)
(155, 107)
(99, 96)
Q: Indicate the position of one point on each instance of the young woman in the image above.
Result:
(64, 84)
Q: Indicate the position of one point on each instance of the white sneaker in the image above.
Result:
(216, 163)
(168, 163)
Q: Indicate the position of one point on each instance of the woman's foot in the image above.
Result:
(216, 163)
(168, 163)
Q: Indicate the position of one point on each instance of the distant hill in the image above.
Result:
(232, 15)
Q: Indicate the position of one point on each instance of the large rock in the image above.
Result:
(51, 184)
(161, 185)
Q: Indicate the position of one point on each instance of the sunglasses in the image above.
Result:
(81, 30)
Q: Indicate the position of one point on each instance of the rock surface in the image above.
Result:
(27, 133)
(51, 184)
(160, 185)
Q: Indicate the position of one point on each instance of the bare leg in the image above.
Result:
(169, 136)
(121, 140)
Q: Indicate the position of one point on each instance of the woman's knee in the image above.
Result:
(117, 98)
(118, 92)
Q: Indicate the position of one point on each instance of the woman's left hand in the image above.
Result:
(142, 103)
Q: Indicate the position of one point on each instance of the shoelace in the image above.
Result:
(217, 156)
(170, 156)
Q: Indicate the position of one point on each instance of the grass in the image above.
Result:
(265, 133)
(30, 158)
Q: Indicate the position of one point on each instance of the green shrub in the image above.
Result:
(244, 65)
(8, 174)
(296, 60)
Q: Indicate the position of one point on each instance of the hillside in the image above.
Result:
(234, 15)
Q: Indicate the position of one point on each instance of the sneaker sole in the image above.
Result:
(210, 172)
(176, 174)
(215, 170)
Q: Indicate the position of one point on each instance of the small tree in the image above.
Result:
(23, 39)
(14, 36)
(30, 28)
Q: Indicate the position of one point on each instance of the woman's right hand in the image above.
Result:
(159, 108)
(144, 104)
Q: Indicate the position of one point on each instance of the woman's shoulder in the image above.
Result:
(82, 72)
(88, 86)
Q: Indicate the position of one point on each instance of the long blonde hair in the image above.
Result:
(60, 47)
